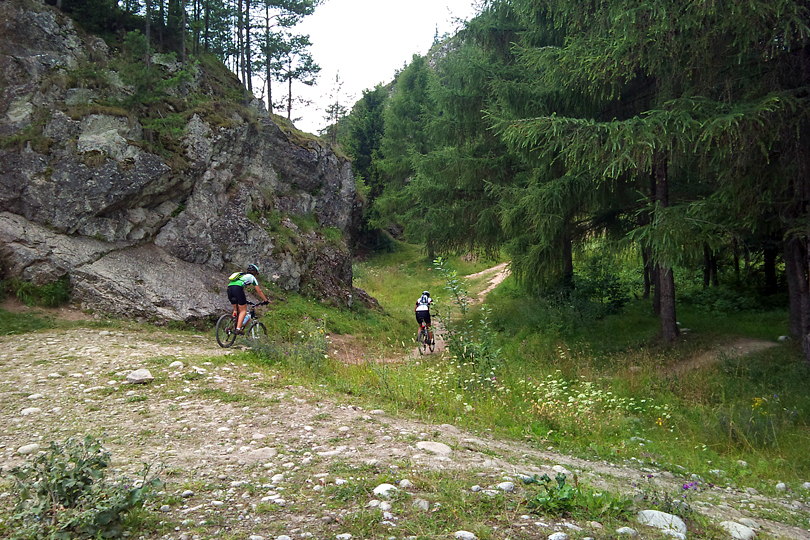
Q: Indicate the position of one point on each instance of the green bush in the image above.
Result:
(63, 493)
(560, 498)
(51, 294)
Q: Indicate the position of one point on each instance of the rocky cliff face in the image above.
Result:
(143, 224)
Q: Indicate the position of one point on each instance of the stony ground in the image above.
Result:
(244, 453)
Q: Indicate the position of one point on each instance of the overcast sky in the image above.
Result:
(366, 42)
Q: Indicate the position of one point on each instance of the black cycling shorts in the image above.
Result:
(423, 316)
(236, 295)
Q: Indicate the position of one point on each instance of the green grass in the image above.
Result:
(13, 323)
(596, 386)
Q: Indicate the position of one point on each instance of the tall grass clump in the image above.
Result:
(307, 353)
(53, 294)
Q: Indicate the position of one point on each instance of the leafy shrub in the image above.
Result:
(51, 294)
(560, 498)
(721, 300)
(63, 493)
(471, 342)
(599, 282)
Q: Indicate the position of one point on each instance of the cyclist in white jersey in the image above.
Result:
(422, 311)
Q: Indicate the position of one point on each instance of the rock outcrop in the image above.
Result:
(144, 225)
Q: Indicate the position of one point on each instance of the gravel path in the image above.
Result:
(245, 452)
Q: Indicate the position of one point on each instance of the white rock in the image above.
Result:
(434, 448)
(340, 481)
(561, 470)
(28, 411)
(376, 411)
(217, 503)
(35, 396)
(464, 535)
(668, 523)
(421, 504)
(748, 522)
(476, 488)
(277, 478)
(558, 536)
(282, 537)
(781, 486)
(344, 536)
(140, 376)
(177, 364)
(738, 531)
(385, 506)
(405, 483)
(626, 531)
(806, 485)
(385, 490)
(507, 487)
(28, 449)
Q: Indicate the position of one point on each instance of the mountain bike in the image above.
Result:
(254, 330)
(423, 339)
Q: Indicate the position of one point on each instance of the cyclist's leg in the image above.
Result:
(429, 327)
(236, 294)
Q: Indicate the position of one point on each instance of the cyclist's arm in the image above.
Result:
(261, 294)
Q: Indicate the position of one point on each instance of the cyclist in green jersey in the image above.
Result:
(236, 292)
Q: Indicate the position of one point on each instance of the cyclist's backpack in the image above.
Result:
(235, 276)
(424, 300)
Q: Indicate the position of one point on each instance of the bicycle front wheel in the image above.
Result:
(257, 332)
(226, 330)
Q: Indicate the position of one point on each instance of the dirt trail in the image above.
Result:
(497, 274)
(735, 349)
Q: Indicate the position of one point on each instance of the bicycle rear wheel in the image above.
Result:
(421, 340)
(257, 332)
(226, 330)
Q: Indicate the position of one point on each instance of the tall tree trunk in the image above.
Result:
(183, 31)
(268, 61)
(240, 41)
(206, 24)
(666, 278)
(248, 53)
(289, 88)
(148, 32)
(769, 253)
(707, 266)
(568, 262)
(646, 271)
(162, 25)
(196, 18)
(736, 255)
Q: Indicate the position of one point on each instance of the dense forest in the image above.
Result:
(671, 133)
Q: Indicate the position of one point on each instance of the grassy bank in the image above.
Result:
(598, 387)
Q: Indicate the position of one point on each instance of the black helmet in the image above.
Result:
(253, 269)
(426, 293)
